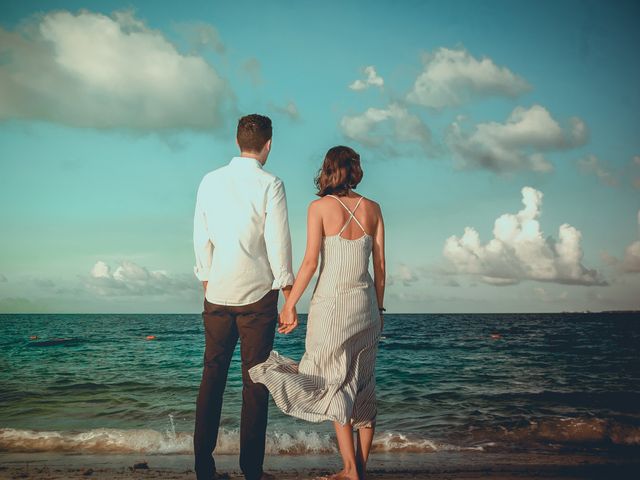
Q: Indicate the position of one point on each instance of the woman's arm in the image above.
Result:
(307, 269)
(379, 262)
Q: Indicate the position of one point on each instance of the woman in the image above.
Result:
(335, 378)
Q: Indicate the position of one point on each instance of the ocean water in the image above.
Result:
(94, 383)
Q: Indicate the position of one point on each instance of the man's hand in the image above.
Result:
(288, 320)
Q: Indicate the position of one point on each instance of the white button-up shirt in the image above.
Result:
(241, 233)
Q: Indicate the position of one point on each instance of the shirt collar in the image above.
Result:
(248, 161)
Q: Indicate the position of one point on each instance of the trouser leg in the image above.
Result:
(221, 336)
(256, 327)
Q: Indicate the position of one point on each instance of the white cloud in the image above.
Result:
(92, 70)
(594, 166)
(519, 251)
(386, 128)
(290, 110)
(516, 144)
(404, 274)
(372, 78)
(101, 270)
(631, 261)
(452, 77)
(131, 279)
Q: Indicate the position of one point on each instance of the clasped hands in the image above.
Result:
(288, 320)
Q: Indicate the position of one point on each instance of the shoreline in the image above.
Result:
(441, 465)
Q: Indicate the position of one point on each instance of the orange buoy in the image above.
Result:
(151, 337)
(496, 336)
(33, 337)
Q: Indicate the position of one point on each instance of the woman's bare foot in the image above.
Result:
(341, 475)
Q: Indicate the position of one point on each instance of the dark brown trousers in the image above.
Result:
(255, 325)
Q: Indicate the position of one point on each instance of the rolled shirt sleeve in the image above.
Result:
(277, 236)
(202, 245)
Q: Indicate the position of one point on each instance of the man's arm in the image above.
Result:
(202, 245)
(278, 238)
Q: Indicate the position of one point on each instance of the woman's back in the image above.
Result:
(335, 216)
(346, 248)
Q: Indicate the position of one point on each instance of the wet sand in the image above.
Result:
(382, 467)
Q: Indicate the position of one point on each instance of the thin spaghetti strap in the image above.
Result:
(351, 214)
(357, 203)
(354, 217)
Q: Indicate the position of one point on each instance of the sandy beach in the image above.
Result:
(387, 467)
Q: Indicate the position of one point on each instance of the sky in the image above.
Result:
(501, 140)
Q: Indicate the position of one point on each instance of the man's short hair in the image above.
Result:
(253, 132)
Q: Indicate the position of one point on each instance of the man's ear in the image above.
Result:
(238, 143)
(268, 145)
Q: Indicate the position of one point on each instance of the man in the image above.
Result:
(243, 258)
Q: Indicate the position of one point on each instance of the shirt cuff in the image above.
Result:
(202, 275)
(283, 280)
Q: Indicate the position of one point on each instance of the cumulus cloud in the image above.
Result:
(592, 165)
(372, 78)
(386, 128)
(404, 275)
(516, 144)
(131, 279)
(289, 110)
(98, 71)
(630, 262)
(519, 251)
(453, 76)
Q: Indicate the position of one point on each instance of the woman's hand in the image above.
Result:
(288, 320)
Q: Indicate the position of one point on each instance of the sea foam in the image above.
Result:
(110, 440)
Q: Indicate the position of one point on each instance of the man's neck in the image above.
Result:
(256, 156)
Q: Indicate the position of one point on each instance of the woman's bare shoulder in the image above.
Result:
(318, 205)
(318, 202)
(372, 204)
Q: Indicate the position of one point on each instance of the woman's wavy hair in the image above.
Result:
(340, 172)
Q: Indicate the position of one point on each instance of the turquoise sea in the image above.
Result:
(509, 383)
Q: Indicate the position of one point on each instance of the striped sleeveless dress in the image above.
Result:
(334, 379)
